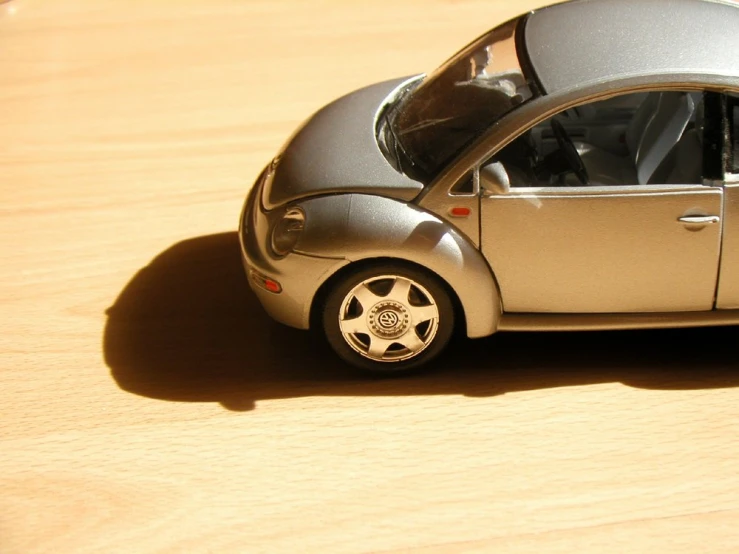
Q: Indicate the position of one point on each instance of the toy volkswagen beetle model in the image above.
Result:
(574, 168)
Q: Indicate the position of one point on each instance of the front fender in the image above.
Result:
(358, 227)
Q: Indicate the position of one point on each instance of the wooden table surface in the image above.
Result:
(147, 403)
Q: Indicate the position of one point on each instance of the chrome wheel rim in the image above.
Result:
(389, 318)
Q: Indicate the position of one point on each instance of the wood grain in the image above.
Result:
(148, 404)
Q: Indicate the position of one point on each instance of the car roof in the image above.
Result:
(590, 42)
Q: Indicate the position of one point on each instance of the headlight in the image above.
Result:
(287, 231)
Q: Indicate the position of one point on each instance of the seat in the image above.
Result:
(653, 132)
(684, 163)
(606, 168)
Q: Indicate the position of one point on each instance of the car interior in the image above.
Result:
(633, 139)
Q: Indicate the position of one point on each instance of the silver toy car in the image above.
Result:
(574, 168)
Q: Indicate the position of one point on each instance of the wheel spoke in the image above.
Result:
(365, 296)
(378, 346)
(355, 325)
(423, 313)
(400, 291)
(411, 341)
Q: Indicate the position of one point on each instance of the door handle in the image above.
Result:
(700, 219)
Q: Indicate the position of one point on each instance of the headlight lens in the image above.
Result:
(287, 231)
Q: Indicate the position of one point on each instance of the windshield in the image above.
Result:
(434, 120)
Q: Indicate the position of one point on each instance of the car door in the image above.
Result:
(628, 242)
(603, 250)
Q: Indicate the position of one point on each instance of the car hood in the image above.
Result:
(336, 151)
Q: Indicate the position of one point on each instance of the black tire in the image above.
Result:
(408, 334)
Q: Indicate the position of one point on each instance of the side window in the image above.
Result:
(734, 134)
(715, 139)
(466, 186)
(629, 140)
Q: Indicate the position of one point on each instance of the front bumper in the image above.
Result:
(299, 275)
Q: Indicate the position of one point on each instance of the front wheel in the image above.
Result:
(388, 318)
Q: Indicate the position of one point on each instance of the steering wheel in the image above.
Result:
(569, 152)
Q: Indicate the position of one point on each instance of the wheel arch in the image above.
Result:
(366, 229)
(461, 313)
(343, 272)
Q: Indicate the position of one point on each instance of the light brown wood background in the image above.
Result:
(147, 404)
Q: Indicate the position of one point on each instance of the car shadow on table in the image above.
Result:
(187, 328)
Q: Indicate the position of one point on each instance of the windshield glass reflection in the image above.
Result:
(434, 120)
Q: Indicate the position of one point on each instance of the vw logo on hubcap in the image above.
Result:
(388, 319)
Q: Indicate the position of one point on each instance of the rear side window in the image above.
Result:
(734, 133)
